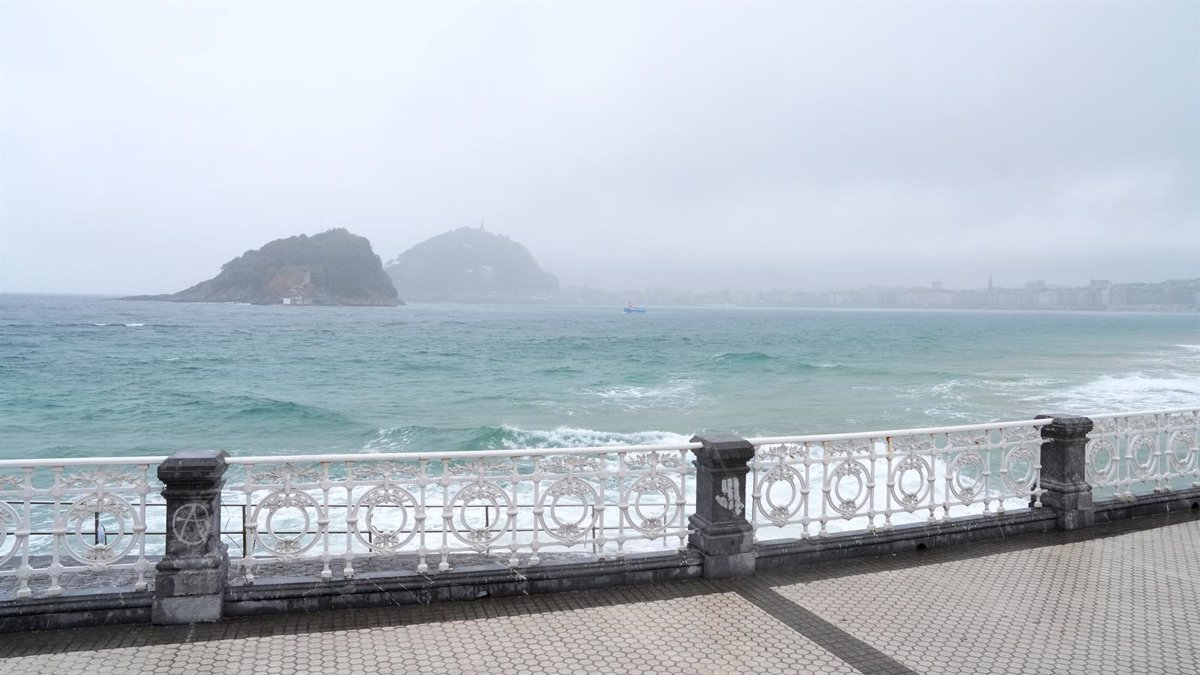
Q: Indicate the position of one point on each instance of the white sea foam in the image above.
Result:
(134, 325)
(1026, 382)
(1136, 391)
(631, 397)
(391, 439)
(509, 437)
(629, 392)
(574, 437)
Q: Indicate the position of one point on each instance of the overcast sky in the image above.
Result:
(790, 145)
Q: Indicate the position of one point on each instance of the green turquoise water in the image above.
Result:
(92, 376)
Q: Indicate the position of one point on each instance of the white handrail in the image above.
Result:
(819, 438)
(1109, 416)
(81, 461)
(461, 454)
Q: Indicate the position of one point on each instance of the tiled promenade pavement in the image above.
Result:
(1126, 601)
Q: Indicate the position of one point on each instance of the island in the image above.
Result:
(471, 265)
(331, 268)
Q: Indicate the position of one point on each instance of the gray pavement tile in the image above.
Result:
(1125, 602)
(1042, 609)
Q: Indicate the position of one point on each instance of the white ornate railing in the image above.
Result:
(100, 522)
(1138, 453)
(520, 503)
(812, 485)
(60, 517)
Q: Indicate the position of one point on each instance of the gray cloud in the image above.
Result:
(707, 145)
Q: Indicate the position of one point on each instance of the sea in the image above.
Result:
(96, 376)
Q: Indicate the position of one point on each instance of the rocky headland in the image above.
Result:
(331, 268)
(471, 265)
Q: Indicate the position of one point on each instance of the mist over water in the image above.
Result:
(89, 376)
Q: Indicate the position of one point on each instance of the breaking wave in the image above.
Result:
(263, 412)
(737, 359)
(507, 437)
(1123, 393)
(633, 397)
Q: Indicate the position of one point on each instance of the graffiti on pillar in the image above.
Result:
(192, 524)
(731, 496)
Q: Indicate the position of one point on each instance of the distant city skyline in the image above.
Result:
(939, 285)
(1181, 294)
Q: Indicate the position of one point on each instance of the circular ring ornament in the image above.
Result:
(392, 536)
(780, 512)
(1183, 452)
(295, 539)
(109, 510)
(666, 496)
(8, 527)
(910, 499)
(1102, 461)
(492, 499)
(1139, 445)
(557, 502)
(848, 488)
(1019, 473)
(966, 476)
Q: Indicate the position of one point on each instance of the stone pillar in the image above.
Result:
(1064, 471)
(190, 582)
(719, 527)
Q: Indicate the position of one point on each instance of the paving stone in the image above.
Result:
(1114, 604)
(1107, 605)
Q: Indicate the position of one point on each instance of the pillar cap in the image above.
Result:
(192, 463)
(723, 448)
(721, 441)
(1065, 425)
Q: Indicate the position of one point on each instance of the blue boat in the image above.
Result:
(634, 309)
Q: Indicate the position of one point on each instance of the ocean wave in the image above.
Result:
(269, 410)
(1120, 393)
(634, 398)
(507, 437)
(755, 360)
(557, 371)
(629, 392)
(737, 358)
(1189, 354)
(510, 437)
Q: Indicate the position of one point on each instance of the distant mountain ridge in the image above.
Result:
(470, 264)
(331, 268)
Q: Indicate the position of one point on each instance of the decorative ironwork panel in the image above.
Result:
(427, 512)
(1148, 453)
(66, 522)
(818, 485)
